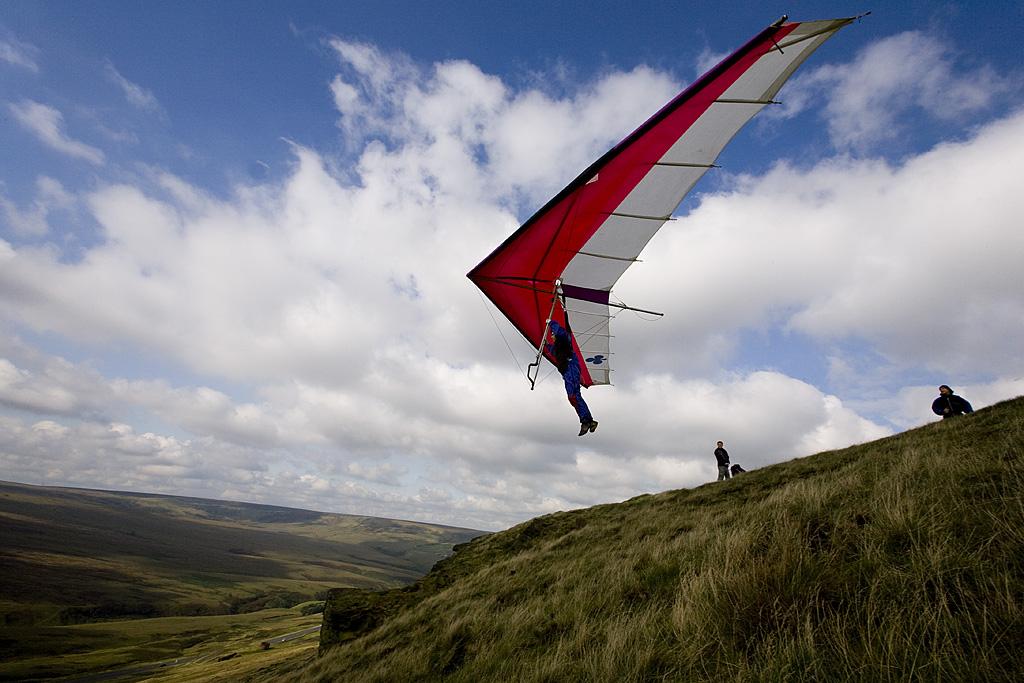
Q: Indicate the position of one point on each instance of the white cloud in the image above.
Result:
(19, 54)
(46, 124)
(708, 59)
(540, 144)
(453, 118)
(136, 95)
(22, 390)
(386, 473)
(911, 406)
(33, 221)
(367, 105)
(919, 259)
(114, 454)
(868, 98)
(496, 455)
(48, 385)
(207, 411)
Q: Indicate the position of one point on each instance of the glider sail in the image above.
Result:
(567, 256)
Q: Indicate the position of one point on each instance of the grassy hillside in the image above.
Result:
(900, 559)
(73, 556)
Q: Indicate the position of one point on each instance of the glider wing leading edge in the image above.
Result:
(588, 234)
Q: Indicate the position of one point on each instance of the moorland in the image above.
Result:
(99, 579)
(896, 560)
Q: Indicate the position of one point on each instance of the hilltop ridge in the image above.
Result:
(901, 558)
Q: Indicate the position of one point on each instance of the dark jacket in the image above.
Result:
(948, 406)
(722, 456)
(562, 348)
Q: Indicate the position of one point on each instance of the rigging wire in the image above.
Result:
(551, 371)
(585, 334)
(497, 327)
(637, 313)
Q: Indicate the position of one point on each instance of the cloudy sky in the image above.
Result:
(233, 246)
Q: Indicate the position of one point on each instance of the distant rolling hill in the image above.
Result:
(74, 555)
(900, 559)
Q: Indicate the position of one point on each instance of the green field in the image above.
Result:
(143, 647)
(897, 560)
(166, 575)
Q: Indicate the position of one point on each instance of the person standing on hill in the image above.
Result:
(949, 404)
(722, 456)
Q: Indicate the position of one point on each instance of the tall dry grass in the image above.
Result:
(902, 559)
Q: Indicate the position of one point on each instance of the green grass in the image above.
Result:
(75, 650)
(71, 556)
(901, 559)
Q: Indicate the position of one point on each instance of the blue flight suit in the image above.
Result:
(569, 366)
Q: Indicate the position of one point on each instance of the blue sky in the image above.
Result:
(233, 240)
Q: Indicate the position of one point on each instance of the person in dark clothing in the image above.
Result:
(722, 456)
(567, 363)
(736, 469)
(949, 404)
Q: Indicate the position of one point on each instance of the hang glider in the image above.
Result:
(567, 257)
